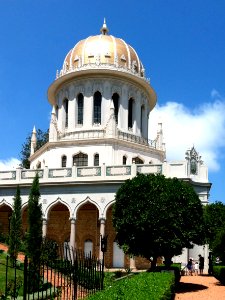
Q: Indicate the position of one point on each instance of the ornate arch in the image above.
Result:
(106, 208)
(57, 201)
(4, 202)
(85, 201)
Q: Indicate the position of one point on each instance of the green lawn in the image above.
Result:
(10, 274)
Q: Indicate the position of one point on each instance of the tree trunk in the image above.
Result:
(167, 261)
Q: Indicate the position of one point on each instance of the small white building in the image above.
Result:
(98, 137)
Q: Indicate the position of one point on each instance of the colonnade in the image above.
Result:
(125, 92)
(72, 240)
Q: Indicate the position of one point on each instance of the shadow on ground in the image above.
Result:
(189, 287)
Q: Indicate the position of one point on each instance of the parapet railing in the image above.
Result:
(101, 133)
(79, 173)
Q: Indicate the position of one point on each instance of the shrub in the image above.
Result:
(144, 286)
(4, 238)
(173, 269)
(219, 273)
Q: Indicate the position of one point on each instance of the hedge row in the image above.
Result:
(144, 286)
(219, 273)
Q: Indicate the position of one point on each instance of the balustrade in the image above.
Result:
(100, 172)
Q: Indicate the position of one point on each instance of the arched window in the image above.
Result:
(38, 165)
(97, 107)
(142, 118)
(124, 160)
(130, 113)
(88, 247)
(96, 159)
(56, 111)
(63, 164)
(115, 98)
(66, 105)
(80, 108)
(80, 159)
(137, 160)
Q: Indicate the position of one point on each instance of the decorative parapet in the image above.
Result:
(83, 134)
(7, 175)
(30, 174)
(59, 173)
(118, 170)
(104, 173)
(103, 66)
(101, 133)
(88, 171)
(135, 139)
(149, 169)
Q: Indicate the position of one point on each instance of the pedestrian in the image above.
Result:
(201, 264)
(190, 266)
(196, 266)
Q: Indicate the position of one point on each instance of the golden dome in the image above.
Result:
(102, 55)
(104, 51)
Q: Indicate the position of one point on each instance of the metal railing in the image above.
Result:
(62, 273)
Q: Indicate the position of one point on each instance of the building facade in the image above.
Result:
(98, 137)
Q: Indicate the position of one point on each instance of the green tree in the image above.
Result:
(42, 138)
(214, 215)
(15, 235)
(34, 235)
(157, 216)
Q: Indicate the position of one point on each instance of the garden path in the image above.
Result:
(200, 288)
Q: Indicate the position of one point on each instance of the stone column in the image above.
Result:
(88, 107)
(72, 233)
(132, 263)
(102, 233)
(60, 116)
(44, 227)
(71, 115)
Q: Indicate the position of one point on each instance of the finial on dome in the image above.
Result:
(104, 30)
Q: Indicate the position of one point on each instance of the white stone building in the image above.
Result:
(98, 137)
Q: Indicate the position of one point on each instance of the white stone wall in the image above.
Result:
(88, 87)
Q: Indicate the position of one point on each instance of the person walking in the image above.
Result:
(196, 267)
(201, 264)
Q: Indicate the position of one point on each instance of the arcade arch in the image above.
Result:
(5, 215)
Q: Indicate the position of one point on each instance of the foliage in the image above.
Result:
(49, 250)
(218, 245)
(157, 216)
(143, 286)
(15, 235)
(214, 216)
(219, 273)
(4, 238)
(42, 138)
(34, 235)
(10, 274)
(14, 286)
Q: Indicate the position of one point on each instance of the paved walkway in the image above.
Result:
(200, 288)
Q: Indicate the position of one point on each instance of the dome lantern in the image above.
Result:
(104, 30)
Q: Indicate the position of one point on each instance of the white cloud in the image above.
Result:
(9, 164)
(203, 127)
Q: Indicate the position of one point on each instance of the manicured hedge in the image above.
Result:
(144, 286)
(173, 269)
(219, 273)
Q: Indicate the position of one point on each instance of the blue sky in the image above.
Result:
(181, 44)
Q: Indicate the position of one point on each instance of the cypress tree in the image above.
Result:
(15, 234)
(34, 236)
